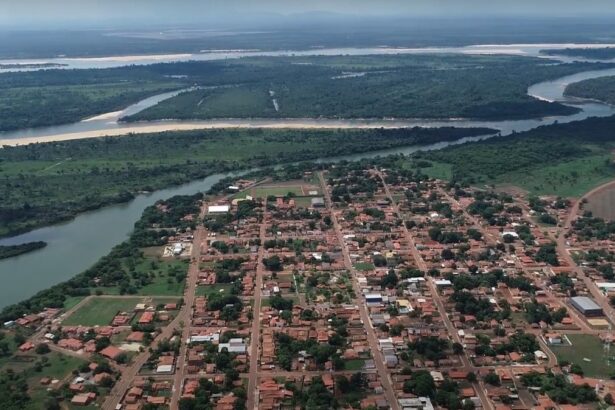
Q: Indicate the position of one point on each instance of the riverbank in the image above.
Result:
(87, 174)
(108, 124)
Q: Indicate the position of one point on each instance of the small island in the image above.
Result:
(15, 250)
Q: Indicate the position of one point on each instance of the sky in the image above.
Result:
(30, 13)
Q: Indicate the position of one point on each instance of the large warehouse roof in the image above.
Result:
(585, 303)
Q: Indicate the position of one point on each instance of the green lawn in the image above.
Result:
(364, 266)
(72, 301)
(356, 364)
(160, 270)
(163, 288)
(163, 283)
(208, 290)
(267, 301)
(100, 311)
(586, 347)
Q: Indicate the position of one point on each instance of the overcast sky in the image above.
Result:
(27, 13)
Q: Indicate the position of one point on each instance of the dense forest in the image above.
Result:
(602, 89)
(50, 97)
(9, 251)
(401, 86)
(45, 183)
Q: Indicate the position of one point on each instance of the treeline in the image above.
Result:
(117, 267)
(102, 171)
(51, 97)
(14, 250)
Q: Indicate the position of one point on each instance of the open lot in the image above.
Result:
(164, 284)
(585, 347)
(99, 311)
(601, 203)
(208, 290)
(162, 275)
(355, 364)
(364, 266)
(59, 367)
(267, 301)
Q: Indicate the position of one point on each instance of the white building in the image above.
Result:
(218, 209)
(235, 345)
(178, 248)
(212, 338)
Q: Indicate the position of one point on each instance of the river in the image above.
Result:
(109, 125)
(75, 245)
(211, 55)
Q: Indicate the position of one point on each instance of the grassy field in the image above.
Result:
(568, 179)
(267, 301)
(563, 159)
(72, 301)
(100, 311)
(209, 290)
(438, 170)
(163, 284)
(364, 266)
(300, 193)
(161, 274)
(355, 364)
(586, 347)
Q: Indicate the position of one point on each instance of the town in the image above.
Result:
(347, 286)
